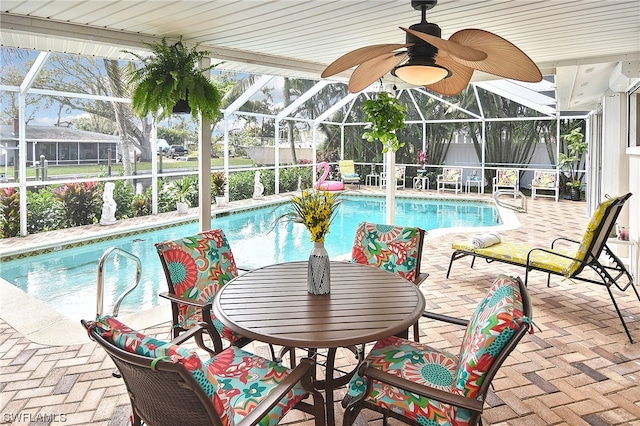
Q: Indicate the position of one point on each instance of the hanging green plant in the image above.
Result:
(171, 75)
(385, 115)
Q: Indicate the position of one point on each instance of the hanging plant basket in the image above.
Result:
(182, 106)
(170, 80)
(385, 115)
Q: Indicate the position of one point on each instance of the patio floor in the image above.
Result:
(578, 368)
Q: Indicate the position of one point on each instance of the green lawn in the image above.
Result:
(117, 168)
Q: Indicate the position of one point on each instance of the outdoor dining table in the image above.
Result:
(271, 304)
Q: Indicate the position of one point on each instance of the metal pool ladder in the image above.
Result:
(100, 288)
(522, 208)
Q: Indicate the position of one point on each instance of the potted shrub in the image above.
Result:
(183, 190)
(170, 77)
(218, 184)
(570, 163)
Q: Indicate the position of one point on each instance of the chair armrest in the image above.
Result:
(563, 239)
(202, 327)
(555, 253)
(445, 318)
(302, 372)
(424, 390)
(174, 298)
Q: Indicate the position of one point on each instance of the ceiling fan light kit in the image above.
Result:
(421, 72)
(443, 66)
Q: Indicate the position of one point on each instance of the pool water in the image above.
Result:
(66, 279)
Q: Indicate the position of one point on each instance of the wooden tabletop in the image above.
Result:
(272, 305)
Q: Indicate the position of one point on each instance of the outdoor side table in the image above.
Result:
(272, 305)
(630, 261)
(421, 182)
(477, 183)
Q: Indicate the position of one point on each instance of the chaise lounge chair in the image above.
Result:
(573, 261)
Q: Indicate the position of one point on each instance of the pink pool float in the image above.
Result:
(327, 185)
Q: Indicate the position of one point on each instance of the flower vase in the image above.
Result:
(318, 272)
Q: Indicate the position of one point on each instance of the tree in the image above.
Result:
(94, 123)
(74, 74)
(509, 141)
(14, 68)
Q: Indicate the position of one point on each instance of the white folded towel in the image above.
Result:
(486, 240)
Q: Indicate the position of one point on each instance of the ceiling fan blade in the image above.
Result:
(467, 53)
(359, 56)
(504, 59)
(457, 82)
(368, 72)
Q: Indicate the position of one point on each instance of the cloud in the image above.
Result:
(52, 121)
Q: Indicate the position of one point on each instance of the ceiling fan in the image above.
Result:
(443, 66)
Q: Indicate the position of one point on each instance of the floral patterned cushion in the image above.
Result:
(451, 175)
(138, 343)
(507, 177)
(235, 380)
(517, 253)
(399, 174)
(199, 265)
(392, 248)
(495, 320)
(544, 179)
(243, 380)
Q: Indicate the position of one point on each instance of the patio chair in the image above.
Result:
(392, 248)
(450, 177)
(422, 385)
(170, 385)
(196, 267)
(573, 259)
(399, 175)
(507, 179)
(546, 181)
(348, 172)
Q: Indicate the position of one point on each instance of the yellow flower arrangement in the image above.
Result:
(316, 210)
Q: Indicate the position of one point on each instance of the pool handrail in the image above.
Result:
(100, 285)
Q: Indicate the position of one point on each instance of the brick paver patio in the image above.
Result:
(578, 368)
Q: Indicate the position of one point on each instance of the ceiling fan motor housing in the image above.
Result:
(420, 47)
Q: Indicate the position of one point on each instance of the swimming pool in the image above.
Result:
(66, 280)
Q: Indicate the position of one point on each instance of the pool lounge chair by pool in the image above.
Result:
(573, 259)
(348, 172)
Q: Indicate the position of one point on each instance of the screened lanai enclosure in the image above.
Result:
(282, 127)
